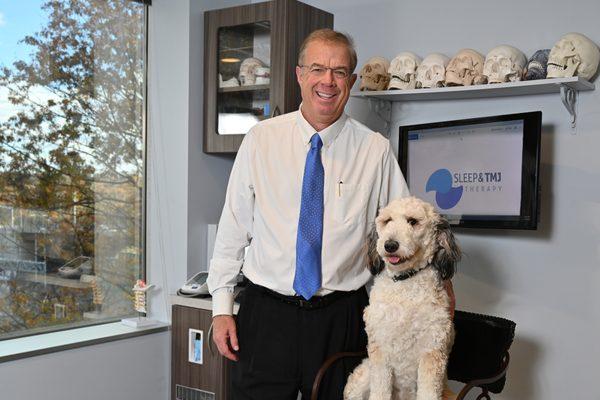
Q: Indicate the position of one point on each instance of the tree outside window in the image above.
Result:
(72, 102)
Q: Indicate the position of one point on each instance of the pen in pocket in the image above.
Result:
(339, 189)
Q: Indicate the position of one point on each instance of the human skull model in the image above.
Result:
(465, 69)
(263, 75)
(403, 71)
(233, 82)
(248, 71)
(573, 55)
(537, 65)
(504, 64)
(432, 71)
(374, 75)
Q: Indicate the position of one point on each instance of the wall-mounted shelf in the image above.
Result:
(250, 88)
(567, 87)
(542, 86)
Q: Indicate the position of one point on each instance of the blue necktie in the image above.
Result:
(310, 225)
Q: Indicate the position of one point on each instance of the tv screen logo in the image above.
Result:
(446, 196)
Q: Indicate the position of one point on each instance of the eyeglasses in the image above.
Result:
(320, 70)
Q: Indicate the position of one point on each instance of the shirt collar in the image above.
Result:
(327, 135)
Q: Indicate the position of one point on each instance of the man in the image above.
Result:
(303, 194)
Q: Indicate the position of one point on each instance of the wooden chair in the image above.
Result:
(479, 357)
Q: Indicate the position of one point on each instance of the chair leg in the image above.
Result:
(484, 395)
(480, 382)
(328, 363)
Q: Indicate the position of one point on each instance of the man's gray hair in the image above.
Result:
(331, 37)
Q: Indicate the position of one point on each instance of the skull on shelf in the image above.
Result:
(403, 71)
(573, 55)
(465, 69)
(537, 65)
(504, 64)
(432, 71)
(248, 71)
(233, 82)
(263, 75)
(374, 75)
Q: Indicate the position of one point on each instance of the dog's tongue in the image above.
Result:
(393, 259)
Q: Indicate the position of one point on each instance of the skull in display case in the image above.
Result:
(248, 71)
(537, 65)
(263, 75)
(573, 55)
(374, 75)
(465, 69)
(432, 71)
(504, 64)
(403, 71)
(233, 82)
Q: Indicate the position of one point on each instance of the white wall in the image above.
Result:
(130, 369)
(547, 281)
(168, 111)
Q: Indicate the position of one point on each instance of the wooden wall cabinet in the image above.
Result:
(235, 38)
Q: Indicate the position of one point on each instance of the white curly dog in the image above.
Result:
(408, 321)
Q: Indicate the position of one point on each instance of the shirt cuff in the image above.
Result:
(222, 301)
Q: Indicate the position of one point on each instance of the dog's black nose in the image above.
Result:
(390, 246)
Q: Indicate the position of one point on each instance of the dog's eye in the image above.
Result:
(412, 221)
(385, 221)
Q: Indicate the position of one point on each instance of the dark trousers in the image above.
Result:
(282, 346)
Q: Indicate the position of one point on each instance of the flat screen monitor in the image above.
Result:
(478, 173)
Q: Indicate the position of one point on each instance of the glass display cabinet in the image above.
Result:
(249, 72)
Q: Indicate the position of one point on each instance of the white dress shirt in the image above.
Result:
(262, 205)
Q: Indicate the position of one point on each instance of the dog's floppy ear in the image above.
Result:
(375, 262)
(448, 252)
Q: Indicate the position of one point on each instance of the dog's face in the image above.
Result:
(410, 234)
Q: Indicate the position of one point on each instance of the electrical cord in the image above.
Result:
(189, 295)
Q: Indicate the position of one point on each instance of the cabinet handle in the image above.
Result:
(275, 112)
(210, 341)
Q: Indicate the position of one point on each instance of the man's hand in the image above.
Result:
(225, 336)
(450, 291)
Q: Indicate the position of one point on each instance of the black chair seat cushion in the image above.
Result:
(479, 347)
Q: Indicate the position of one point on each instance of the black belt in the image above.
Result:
(299, 301)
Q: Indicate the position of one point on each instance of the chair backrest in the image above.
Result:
(480, 346)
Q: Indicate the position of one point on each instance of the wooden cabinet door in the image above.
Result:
(210, 376)
(289, 22)
(216, 22)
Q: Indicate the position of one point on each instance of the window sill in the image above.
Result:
(30, 346)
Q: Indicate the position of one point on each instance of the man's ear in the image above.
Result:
(352, 80)
(298, 74)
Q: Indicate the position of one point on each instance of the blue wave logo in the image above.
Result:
(446, 196)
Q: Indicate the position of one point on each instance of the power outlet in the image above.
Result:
(195, 346)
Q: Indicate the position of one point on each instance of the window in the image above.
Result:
(72, 124)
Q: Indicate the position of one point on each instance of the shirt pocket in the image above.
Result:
(349, 202)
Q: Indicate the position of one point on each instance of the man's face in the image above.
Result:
(324, 91)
